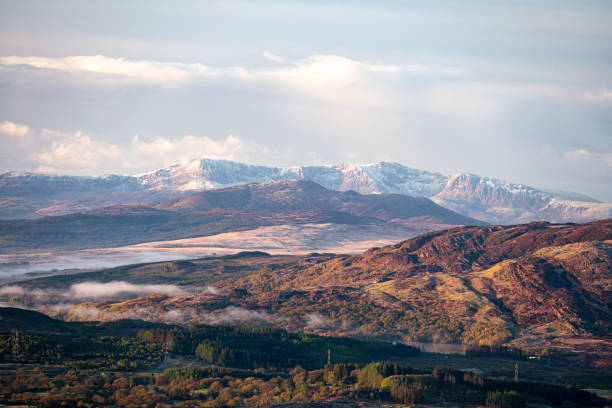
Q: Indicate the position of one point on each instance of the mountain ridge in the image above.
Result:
(31, 195)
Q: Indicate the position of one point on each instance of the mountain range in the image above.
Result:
(31, 195)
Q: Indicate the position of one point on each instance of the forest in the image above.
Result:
(216, 386)
(139, 364)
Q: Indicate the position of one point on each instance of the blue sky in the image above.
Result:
(513, 90)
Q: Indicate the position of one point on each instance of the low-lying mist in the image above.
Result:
(94, 291)
(118, 300)
(16, 268)
(172, 315)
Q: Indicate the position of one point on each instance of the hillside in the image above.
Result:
(31, 195)
(531, 285)
(238, 208)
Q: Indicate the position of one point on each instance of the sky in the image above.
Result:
(518, 90)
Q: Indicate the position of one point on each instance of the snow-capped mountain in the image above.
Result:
(383, 177)
(29, 195)
(499, 201)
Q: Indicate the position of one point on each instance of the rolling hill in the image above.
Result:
(531, 285)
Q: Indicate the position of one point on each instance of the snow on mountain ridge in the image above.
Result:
(499, 201)
(382, 177)
(494, 200)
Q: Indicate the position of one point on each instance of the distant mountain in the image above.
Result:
(237, 208)
(498, 201)
(31, 195)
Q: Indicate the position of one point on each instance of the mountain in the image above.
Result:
(31, 195)
(237, 208)
(533, 285)
(498, 201)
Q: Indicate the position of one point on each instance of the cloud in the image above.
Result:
(328, 70)
(326, 67)
(584, 154)
(335, 79)
(82, 153)
(189, 147)
(96, 290)
(329, 77)
(166, 74)
(578, 154)
(602, 96)
(77, 151)
(13, 129)
(435, 88)
(274, 58)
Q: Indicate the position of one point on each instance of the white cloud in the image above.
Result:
(121, 69)
(329, 77)
(189, 147)
(332, 78)
(274, 58)
(326, 67)
(335, 79)
(584, 154)
(579, 154)
(13, 129)
(602, 96)
(76, 151)
(439, 89)
(82, 153)
(328, 70)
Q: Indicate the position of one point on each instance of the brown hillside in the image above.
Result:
(493, 284)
